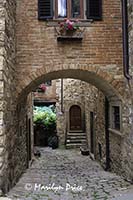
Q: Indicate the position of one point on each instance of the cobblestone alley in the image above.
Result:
(67, 175)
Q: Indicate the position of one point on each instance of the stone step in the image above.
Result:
(75, 145)
(76, 137)
(76, 134)
(76, 140)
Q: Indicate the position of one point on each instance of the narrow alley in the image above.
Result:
(67, 175)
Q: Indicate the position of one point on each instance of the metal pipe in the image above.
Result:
(62, 107)
(107, 134)
(125, 40)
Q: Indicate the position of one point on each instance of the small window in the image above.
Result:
(81, 9)
(116, 117)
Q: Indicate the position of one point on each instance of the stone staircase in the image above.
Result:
(76, 140)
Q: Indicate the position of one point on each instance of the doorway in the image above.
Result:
(75, 118)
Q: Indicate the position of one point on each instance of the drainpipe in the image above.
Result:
(107, 134)
(125, 40)
(62, 108)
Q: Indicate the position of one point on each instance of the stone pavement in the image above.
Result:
(67, 175)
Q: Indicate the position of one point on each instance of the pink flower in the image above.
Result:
(67, 21)
(43, 87)
(70, 27)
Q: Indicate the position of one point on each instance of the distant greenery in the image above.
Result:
(45, 116)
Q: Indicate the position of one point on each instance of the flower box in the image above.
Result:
(69, 30)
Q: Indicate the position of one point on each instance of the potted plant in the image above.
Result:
(68, 27)
(69, 30)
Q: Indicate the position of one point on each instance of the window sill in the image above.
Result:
(82, 22)
(116, 132)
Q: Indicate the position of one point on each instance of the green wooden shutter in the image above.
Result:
(94, 9)
(45, 9)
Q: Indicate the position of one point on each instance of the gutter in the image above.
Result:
(125, 40)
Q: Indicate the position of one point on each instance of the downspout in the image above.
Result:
(107, 134)
(62, 107)
(125, 40)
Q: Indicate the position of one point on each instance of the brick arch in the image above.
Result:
(101, 79)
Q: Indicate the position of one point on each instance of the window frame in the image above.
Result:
(112, 117)
(69, 10)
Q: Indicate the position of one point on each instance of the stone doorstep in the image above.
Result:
(5, 198)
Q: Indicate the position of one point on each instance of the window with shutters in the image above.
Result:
(115, 116)
(72, 9)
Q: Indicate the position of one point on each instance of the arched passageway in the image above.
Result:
(103, 81)
(97, 77)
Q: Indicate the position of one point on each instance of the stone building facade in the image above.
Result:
(91, 101)
(30, 53)
(65, 93)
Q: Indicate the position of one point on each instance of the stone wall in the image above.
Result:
(100, 129)
(73, 94)
(90, 93)
(90, 100)
(8, 85)
(13, 130)
(130, 19)
(2, 51)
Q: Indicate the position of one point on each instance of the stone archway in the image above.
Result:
(101, 79)
(105, 82)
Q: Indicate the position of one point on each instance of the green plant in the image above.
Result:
(45, 116)
(45, 125)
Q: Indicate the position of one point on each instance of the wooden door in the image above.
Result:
(75, 118)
